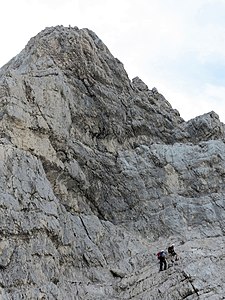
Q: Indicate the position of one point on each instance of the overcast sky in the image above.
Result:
(177, 46)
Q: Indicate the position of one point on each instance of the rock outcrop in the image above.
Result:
(98, 173)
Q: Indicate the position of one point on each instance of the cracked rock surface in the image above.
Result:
(99, 173)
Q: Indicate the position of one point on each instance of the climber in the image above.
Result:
(172, 253)
(162, 260)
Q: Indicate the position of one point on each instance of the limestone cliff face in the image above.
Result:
(98, 173)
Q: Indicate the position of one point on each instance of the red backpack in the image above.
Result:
(161, 254)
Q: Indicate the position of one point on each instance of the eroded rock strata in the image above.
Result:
(98, 173)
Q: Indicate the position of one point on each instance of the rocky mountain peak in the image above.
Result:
(98, 173)
(70, 51)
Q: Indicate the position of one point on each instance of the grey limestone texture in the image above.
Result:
(97, 174)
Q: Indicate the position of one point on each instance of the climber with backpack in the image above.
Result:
(162, 260)
(172, 253)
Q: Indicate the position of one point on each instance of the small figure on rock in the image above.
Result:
(162, 260)
(172, 253)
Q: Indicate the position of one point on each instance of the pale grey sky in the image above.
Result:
(177, 46)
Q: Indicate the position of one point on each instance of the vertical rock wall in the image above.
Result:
(98, 173)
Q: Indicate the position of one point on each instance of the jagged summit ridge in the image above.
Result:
(94, 78)
(98, 172)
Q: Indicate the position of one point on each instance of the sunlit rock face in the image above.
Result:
(99, 173)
